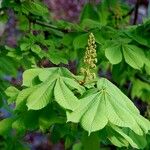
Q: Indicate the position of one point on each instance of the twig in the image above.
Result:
(144, 79)
(45, 24)
(129, 13)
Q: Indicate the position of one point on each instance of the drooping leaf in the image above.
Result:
(124, 137)
(133, 55)
(41, 96)
(53, 84)
(22, 97)
(64, 96)
(109, 104)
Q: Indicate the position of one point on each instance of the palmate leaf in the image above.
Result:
(49, 84)
(133, 55)
(108, 105)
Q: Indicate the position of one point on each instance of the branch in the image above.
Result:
(136, 11)
(44, 24)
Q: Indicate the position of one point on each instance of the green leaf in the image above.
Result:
(11, 92)
(29, 75)
(19, 126)
(46, 73)
(91, 142)
(77, 146)
(23, 22)
(80, 41)
(90, 24)
(48, 117)
(89, 12)
(52, 82)
(134, 56)
(89, 113)
(141, 90)
(113, 53)
(22, 97)
(109, 104)
(36, 48)
(124, 137)
(35, 8)
(41, 96)
(1, 101)
(5, 126)
(147, 64)
(64, 96)
(8, 66)
(73, 84)
(25, 46)
(57, 57)
(67, 39)
(29, 120)
(103, 12)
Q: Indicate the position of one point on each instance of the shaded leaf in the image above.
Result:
(134, 56)
(113, 53)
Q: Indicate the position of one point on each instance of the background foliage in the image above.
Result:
(39, 35)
